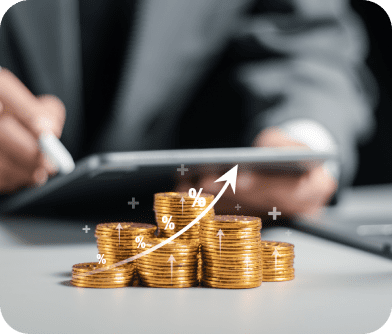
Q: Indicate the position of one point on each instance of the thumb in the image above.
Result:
(52, 114)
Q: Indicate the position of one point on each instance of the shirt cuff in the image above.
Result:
(316, 137)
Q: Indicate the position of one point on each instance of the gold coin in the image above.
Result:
(278, 261)
(155, 269)
(110, 278)
(180, 209)
(231, 252)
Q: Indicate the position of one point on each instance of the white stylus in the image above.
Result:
(56, 152)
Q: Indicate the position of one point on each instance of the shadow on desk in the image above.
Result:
(37, 231)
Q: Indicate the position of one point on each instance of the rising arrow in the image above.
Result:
(276, 254)
(182, 205)
(119, 227)
(171, 259)
(220, 234)
(230, 177)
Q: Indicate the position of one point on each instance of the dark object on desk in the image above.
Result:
(352, 231)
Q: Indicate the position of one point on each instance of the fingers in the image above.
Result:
(19, 101)
(17, 144)
(316, 191)
(52, 114)
(48, 165)
(23, 118)
(20, 158)
(53, 117)
(257, 193)
(37, 115)
(13, 177)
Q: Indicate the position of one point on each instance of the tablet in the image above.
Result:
(95, 176)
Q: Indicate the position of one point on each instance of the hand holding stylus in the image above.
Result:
(24, 118)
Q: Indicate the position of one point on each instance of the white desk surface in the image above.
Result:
(337, 289)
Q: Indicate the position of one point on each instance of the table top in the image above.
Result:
(337, 289)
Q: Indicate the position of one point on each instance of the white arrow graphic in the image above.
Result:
(230, 177)
(220, 234)
(276, 254)
(171, 259)
(182, 205)
(119, 227)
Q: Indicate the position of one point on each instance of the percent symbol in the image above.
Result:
(140, 242)
(101, 259)
(167, 222)
(199, 200)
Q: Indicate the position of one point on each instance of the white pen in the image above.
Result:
(56, 152)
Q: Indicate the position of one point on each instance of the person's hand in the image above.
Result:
(258, 192)
(23, 117)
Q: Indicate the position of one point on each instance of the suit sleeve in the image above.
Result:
(305, 60)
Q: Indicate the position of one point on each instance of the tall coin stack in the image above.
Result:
(173, 265)
(231, 252)
(117, 277)
(278, 261)
(179, 209)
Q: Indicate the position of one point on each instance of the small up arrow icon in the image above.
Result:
(171, 259)
(220, 234)
(276, 254)
(182, 205)
(119, 228)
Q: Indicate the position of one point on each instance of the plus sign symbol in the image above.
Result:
(133, 203)
(274, 213)
(86, 229)
(182, 169)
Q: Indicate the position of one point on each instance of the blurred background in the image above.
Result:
(375, 165)
(376, 156)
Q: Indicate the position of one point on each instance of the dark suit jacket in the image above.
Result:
(203, 72)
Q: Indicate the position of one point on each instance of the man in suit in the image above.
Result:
(155, 74)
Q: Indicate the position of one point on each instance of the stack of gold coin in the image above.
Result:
(174, 211)
(278, 261)
(173, 265)
(231, 252)
(119, 241)
(113, 278)
(199, 265)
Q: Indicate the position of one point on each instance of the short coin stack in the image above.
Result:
(231, 252)
(117, 243)
(278, 261)
(173, 265)
(180, 209)
(117, 277)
